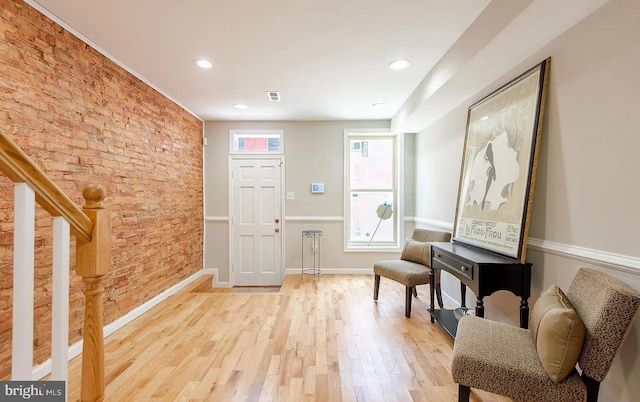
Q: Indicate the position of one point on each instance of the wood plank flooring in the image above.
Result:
(316, 340)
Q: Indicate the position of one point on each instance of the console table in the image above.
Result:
(484, 274)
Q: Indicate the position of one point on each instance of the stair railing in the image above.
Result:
(91, 227)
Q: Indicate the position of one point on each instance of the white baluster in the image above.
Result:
(23, 252)
(60, 300)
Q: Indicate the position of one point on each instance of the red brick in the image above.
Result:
(87, 120)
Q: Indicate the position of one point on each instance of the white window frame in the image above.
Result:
(398, 205)
(256, 133)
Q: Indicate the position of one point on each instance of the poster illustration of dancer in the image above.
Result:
(498, 165)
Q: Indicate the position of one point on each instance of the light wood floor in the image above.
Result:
(315, 340)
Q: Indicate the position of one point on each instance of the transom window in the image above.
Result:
(256, 142)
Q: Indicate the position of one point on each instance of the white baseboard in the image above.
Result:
(44, 369)
(448, 300)
(332, 271)
(216, 283)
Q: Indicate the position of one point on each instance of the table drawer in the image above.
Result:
(455, 265)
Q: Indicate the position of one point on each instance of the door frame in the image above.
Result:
(232, 159)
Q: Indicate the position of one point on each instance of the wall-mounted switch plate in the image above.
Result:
(291, 196)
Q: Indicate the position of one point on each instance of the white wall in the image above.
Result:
(587, 194)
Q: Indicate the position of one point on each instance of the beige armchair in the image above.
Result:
(413, 267)
(535, 365)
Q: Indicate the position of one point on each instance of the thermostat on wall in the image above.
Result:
(317, 188)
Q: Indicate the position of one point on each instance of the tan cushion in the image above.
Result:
(407, 273)
(558, 333)
(502, 358)
(416, 251)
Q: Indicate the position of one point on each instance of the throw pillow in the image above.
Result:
(558, 332)
(416, 251)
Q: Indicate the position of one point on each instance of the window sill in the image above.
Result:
(372, 249)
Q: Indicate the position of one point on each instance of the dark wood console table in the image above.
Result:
(484, 274)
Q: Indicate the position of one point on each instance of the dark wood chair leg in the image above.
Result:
(407, 306)
(593, 387)
(415, 291)
(464, 393)
(376, 287)
(439, 295)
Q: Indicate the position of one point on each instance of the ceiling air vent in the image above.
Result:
(274, 96)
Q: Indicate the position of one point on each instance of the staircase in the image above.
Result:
(91, 227)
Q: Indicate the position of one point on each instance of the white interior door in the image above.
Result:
(256, 222)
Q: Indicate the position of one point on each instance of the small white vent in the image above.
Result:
(274, 96)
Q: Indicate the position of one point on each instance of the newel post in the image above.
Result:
(93, 261)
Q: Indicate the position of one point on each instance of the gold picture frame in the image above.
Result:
(499, 162)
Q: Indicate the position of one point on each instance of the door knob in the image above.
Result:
(277, 220)
(277, 230)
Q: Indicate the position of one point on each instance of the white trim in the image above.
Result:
(314, 218)
(230, 181)
(449, 300)
(60, 299)
(452, 301)
(216, 283)
(614, 261)
(23, 282)
(618, 262)
(398, 190)
(373, 249)
(106, 54)
(44, 369)
(216, 219)
(433, 222)
(204, 192)
(332, 271)
(369, 131)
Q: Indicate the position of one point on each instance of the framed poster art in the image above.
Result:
(499, 161)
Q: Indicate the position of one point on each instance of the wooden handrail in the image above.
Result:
(21, 169)
(92, 229)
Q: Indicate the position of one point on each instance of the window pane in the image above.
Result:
(371, 163)
(257, 142)
(364, 217)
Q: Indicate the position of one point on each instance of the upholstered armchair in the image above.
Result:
(413, 267)
(587, 326)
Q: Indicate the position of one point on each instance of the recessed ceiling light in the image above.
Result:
(379, 105)
(399, 64)
(240, 106)
(203, 63)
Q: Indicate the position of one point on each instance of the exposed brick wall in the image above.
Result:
(84, 119)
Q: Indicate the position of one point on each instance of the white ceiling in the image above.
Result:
(327, 58)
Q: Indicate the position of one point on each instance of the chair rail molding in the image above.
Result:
(216, 219)
(310, 218)
(618, 262)
(433, 222)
